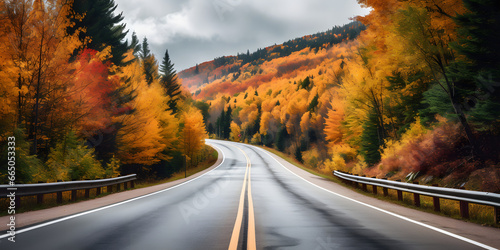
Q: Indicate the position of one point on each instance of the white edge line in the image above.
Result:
(385, 211)
(116, 204)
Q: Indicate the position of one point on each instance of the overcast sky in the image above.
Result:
(195, 31)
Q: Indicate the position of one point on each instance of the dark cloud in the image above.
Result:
(195, 31)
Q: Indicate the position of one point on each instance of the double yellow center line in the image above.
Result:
(251, 243)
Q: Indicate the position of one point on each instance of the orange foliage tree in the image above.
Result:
(40, 48)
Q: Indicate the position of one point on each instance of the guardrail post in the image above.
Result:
(400, 193)
(118, 187)
(87, 193)
(98, 191)
(416, 197)
(73, 195)
(132, 184)
(497, 214)
(110, 189)
(437, 204)
(374, 187)
(125, 186)
(363, 185)
(355, 183)
(385, 190)
(39, 197)
(464, 209)
(59, 195)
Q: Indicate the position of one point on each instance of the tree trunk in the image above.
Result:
(476, 151)
(37, 97)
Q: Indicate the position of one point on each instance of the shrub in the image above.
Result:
(70, 159)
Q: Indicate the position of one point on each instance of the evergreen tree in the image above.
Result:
(149, 64)
(313, 104)
(478, 30)
(227, 123)
(169, 82)
(219, 124)
(281, 139)
(409, 91)
(197, 70)
(371, 139)
(102, 26)
(135, 45)
(298, 154)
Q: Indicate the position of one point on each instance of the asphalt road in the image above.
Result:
(249, 201)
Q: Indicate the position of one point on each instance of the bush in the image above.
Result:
(311, 158)
(70, 159)
(27, 166)
(420, 150)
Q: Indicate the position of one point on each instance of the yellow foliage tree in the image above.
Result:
(150, 129)
(235, 132)
(193, 134)
(39, 47)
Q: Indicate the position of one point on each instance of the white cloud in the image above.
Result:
(199, 30)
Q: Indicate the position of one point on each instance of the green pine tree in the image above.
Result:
(149, 63)
(196, 70)
(135, 45)
(102, 26)
(169, 81)
(479, 68)
(371, 140)
(313, 104)
(227, 122)
(281, 138)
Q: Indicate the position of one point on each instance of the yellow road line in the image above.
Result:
(233, 244)
(251, 243)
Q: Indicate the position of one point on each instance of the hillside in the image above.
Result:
(224, 70)
(371, 98)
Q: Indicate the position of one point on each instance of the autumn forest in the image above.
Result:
(409, 91)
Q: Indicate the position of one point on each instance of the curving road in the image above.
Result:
(250, 201)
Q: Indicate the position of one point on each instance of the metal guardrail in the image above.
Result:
(39, 189)
(463, 196)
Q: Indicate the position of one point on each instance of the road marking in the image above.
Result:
(233, 244)
(251, 242)
(456, 236)
(116, 204)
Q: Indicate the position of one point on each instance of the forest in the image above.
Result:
(408, 92)
(82, 102)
